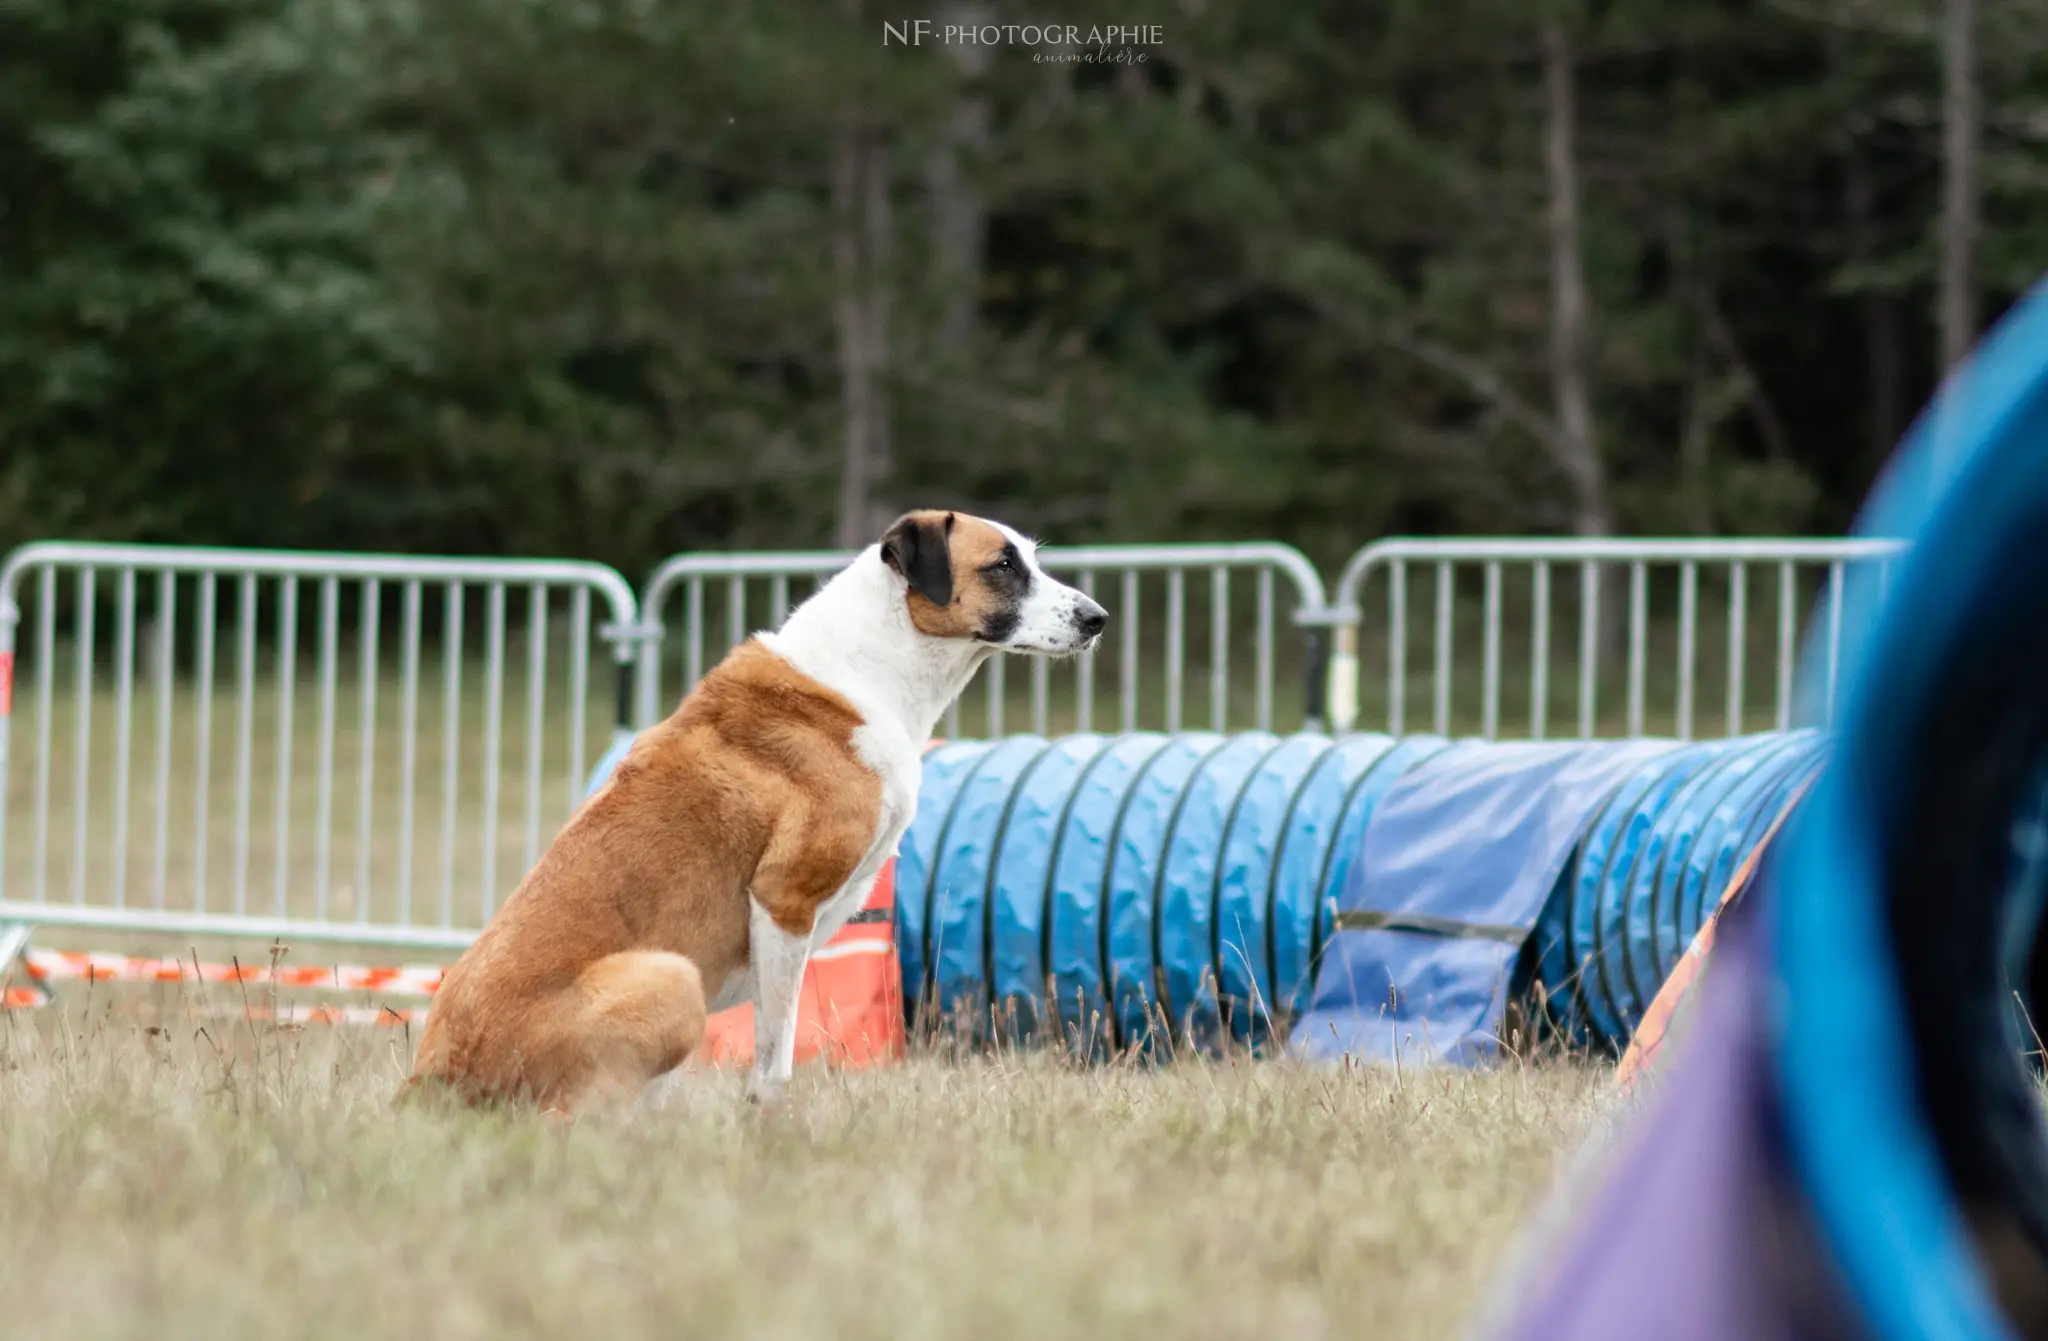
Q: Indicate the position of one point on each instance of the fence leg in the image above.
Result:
(646, 709)
(1315, 706)
(1342, 671)
(636, 649)
(631, 647)
(14, 938)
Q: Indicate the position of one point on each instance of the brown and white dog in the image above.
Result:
(741, 831)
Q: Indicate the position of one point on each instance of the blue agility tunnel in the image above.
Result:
(1126, 890)
(1850, 1142)
(1364, 895)
(1572, 874)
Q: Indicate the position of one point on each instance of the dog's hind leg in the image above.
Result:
(634, 1015)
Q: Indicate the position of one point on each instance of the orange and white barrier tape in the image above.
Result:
(870, 935)
(849, 1010)
(49, 966)
(367, 1015)
(55, 966)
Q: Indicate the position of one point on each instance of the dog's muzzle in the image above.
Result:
(1090, 620)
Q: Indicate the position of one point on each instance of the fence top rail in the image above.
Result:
(236, 926)
(1616, 549)
(1286, 559)
(313, 563)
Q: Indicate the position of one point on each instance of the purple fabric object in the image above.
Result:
(1696, 1232)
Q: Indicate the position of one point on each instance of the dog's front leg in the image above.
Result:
(778, 971)
(813, 852)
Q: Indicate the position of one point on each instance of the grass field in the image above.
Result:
(191, 1174)
(238, 1181)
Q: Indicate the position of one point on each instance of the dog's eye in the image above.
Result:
(1003, 564)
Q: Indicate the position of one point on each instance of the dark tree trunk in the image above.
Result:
(959, 222)
(863, 229)
(1962, 119)
(1577, 447)
(856, 377)
(1570, 316)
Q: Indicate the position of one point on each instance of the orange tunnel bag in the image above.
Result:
(850, 1011)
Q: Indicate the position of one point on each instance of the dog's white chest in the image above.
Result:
(899, 765)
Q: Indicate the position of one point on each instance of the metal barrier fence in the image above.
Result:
(1242, 588)
(1807, 575)
(180, 772)
(372, 806)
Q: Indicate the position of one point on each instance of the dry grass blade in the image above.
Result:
(196, 1184)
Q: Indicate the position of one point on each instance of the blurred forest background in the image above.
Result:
(616, 278)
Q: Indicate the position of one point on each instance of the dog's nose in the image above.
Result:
(1091, 618)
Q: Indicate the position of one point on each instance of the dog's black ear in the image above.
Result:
(918, 546)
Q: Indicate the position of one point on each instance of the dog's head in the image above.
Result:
(970, 578)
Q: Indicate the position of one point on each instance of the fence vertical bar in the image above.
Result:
(323, 836)
(287, 684)
(204, 636)
(579, 684)
(494, 711)
(245, 737)
(1127, 666)
(1446, 627)
(693, 649)
(166, 651)
(1688, 619)
(536, 703)
(1084, 674)
(1264, 646)
(1539, 655)
(82, 793)
(1176, 643)
(367, 670)
(408, 740)
(1397, 647)
(1787, 633)
(46, 678)
(10, 650)
(124, 720)
(1041, 695)
(1219, 648)
(1638, 638)
(1589, 647)
(735, 611)
(451, 741)
(1738, 656)
(1489, 709)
